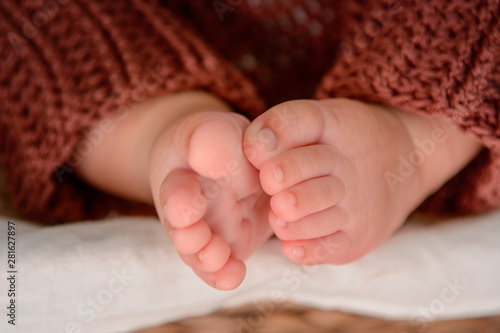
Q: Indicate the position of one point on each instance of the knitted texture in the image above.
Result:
(436, 57)
(67, 66)
(284, 47)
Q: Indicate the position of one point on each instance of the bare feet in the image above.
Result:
(325, 163)
(208, 195)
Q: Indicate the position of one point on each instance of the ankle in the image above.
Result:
(440, 150)
(120, 164)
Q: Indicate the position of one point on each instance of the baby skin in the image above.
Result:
(208, 195)
(333, 171)
(324, 176)
(183, 153)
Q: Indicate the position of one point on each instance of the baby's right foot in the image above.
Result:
(208, 195)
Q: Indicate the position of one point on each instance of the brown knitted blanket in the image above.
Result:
(289, 318)
(65, 68)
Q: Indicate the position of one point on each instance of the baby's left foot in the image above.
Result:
(325, 165)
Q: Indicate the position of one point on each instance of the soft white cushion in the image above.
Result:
(122, 274)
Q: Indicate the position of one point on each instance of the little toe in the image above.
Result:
(331, 249)
(288, 125)
(181, 197)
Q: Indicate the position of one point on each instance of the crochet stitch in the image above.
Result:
(67, 65)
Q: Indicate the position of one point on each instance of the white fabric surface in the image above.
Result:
(122, 274)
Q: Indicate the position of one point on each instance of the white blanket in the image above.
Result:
(122, 274)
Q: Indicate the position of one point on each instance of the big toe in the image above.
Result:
(288, 125)
(215, 152)
(215, 145)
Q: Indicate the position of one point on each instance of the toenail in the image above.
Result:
(200, 256)
(292, 199)
(281, 223)
(299, 252)
(164, 214)
(267, 139)
(278, 174)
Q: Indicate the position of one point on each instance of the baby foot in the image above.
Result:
(208, 195)
(323, 163)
